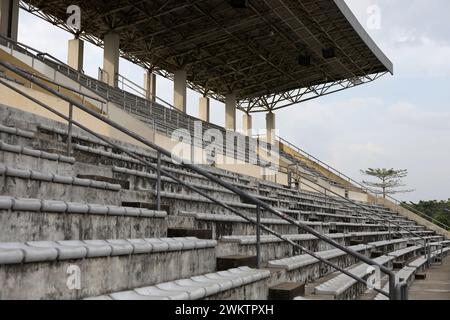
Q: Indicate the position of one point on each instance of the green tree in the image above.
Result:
(438, 210)
(389, 180)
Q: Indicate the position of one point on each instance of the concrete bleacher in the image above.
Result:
(96, 209)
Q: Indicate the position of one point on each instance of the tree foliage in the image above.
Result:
(439, 210)
(389, 180)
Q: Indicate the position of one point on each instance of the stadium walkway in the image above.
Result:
(436, 286)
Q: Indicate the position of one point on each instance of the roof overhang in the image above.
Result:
(252, 52)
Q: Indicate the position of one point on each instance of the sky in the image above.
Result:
(400, 121)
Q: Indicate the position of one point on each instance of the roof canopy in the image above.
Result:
(271, 53)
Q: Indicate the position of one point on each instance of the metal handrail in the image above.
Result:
(244, 195)
(365, 188)
(123, 80)
(328, 191)
(27, 48)
(65, 87)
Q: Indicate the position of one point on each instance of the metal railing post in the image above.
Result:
(401, 291)
(158, 184)
(258, 237)
(392, 287)
(69, 131)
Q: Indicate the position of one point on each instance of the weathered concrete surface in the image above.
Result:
(22, 226)
(255, 291)
(436, 286)
(102, 275)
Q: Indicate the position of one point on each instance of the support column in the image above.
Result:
(9, 18)
(247, 124)
(204, 105)
(150, 86)
(111, 57)
(179, 90)
(270, 127)
(75, 57)
(230, 112)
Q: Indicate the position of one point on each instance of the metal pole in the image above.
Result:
(258, 237)
(158, 184)
(69, 133)
(392, 287)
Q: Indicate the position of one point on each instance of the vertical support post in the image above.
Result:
(9, 18)
(180, 90)
(75, 54)
(389, 229)
(247, 127)
(204, 109)
(230, 112)
(150, 86)
(69, 132)
(270, 128)
(392, 287)
(258, 237)
(158, 184)
(111, 55)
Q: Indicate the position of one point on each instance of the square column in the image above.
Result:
(111, 55)
(75, 54)
(247, 124)
(179, 90)
(203, 109)
(9, 18)
(150, 86)
(270, 127)
(230, 112)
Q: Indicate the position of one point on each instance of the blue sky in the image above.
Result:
(400, 121)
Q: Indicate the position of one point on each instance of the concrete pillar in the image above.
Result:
(247, 124)
(203, 109)
(150, 85)
(230, 112)
(111, 55)
(270, 127)
(179, 90)
(75, 54)
(9, 18)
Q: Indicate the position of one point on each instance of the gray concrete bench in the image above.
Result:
(57, 206)
(75, 135)
(35, 153)
(339, 284)
(153, 176)
(54, 178)
(16, 132)
(46, 251)
(297, 262)
(195, 288)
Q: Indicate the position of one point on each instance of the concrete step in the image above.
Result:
(99, 266)
(235, 261)
(230, 284)
(27, 219)
(287, 291)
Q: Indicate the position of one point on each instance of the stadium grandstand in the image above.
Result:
(110, 192)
